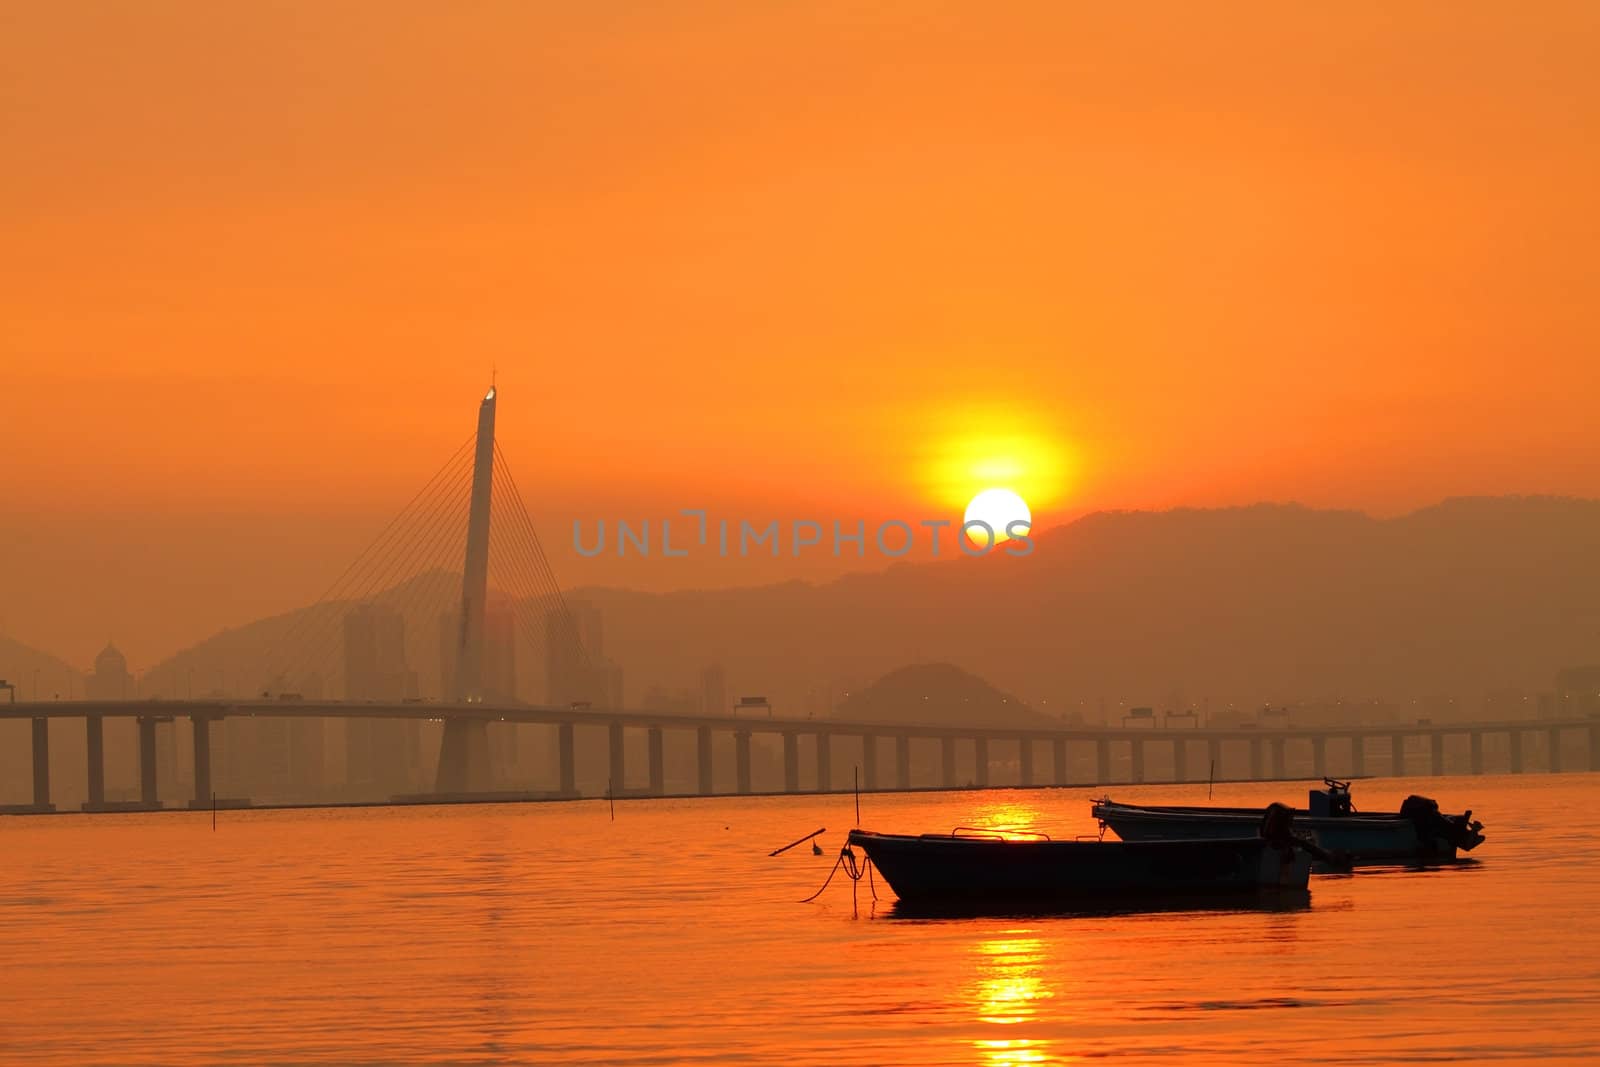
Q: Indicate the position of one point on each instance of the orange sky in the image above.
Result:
(773, 259)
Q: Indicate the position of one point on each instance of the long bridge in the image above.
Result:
(858, 742)
(420, 540)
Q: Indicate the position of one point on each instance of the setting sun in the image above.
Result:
(998, 508)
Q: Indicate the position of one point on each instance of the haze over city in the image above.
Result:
(502, 501)
(257, 272)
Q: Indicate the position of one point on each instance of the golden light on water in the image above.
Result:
(1009, 1052)
(1007, 817)
(1011, 990)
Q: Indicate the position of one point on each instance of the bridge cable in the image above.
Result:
(423, 535)
(303, 616)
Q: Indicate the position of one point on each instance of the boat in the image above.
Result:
(1417, 832)
(999, 868)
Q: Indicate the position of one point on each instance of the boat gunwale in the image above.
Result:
(1104, 810)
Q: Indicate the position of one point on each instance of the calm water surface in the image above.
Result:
(547, 932)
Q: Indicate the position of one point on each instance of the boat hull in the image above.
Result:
(933, 867)
(1356, 838)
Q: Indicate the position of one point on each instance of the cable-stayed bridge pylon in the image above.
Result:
(460, 563)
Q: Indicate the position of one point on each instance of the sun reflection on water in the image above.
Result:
(1009, 1052)
(1010, 990)
(1005, 816)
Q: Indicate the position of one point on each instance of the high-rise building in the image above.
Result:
(713, 691)
(498, 667)
(576, 669)
(375, 655)
(378, 752)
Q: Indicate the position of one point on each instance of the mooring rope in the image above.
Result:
(831, 873)
(853, 870)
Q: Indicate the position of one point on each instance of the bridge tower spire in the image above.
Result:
(464, 748)
(475, 572)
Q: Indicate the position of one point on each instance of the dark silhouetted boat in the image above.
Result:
(1417, 832)
(997, 870)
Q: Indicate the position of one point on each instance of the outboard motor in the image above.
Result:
(1277, 825)
(1461, 831)
(1277, 828)
(1332, 800)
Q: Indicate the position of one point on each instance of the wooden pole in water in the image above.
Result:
(611, 795)
(786, 848)
(1211, 780)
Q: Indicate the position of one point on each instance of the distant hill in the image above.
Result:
(1269, 603)
(55, 676)
(302, 650)
(937, 694)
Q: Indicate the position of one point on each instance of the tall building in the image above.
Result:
(375, 655)
(713, 691)
(498, 669)
(381, 753)
(576, 669)
(110, 679)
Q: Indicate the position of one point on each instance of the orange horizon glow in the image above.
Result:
(826, 263)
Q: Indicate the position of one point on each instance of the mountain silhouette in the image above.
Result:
(55, 677)
(1449, 606)
(937, 694)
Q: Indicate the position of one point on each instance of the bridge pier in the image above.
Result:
(902, 761)
(1436, 747)
(824, 761)
(95, 742)
(1515, 738)
(741, 753)
(1358, 755)
(147, 762)
(464, 757)
(791, 762)
(869, 762)
(1280, 768)
(658, 762)
(1319, 757)
(1477, 751)
(703, 754)
(1025, 761)
(201, 726)
(1258, 749)
(1102, 761)
(947, 761)
(1553, 744)
(980, 753)
(1180, 759)
(1058, 753)
(568, 757)
(1397, 755)
(41, 764)
(1136, 750)
(617, 762)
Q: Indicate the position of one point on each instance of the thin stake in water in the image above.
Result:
(611, 795)
(1211, 780)
(786, 848)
